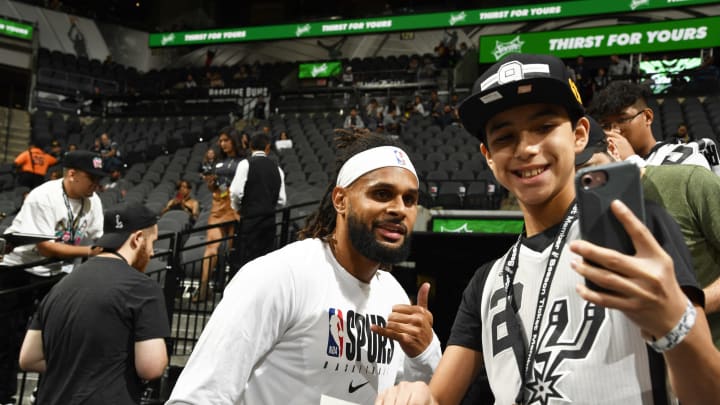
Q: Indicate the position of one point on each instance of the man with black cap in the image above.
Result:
(101, 331)
(67, 209)
(527, 318)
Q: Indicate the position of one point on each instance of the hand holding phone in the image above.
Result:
(596, 188)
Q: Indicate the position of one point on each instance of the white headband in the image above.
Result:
(372, 159)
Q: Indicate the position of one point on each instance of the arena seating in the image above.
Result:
(161, 150)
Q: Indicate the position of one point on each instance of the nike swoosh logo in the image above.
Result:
(352, 388)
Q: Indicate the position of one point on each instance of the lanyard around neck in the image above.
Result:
(72, 220)
(510, 267)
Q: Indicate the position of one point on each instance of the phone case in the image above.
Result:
(598, 224)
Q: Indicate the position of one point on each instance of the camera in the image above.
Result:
(207, 169)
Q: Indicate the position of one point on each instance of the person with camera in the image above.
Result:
(528, 319)
(207, 166)
(218, 181)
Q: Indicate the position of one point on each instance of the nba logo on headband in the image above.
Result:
(401, 157)
(372, 159)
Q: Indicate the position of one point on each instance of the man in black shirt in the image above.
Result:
(257, 188)
(101, 330)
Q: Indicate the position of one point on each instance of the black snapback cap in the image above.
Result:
(120, 223)
(86, 161)
(519, 79)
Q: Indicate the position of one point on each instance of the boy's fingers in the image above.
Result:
(639, 234)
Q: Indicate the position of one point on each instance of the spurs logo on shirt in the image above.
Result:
(557, 347)
(352, 346)
(557, 344)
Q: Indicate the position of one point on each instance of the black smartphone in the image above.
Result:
(596, 188)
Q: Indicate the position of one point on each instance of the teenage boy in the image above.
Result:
(623, 108)
(527, 318)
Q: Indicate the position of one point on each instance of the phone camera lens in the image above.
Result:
(587, 180)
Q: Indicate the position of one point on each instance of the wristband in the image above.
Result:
(678, 333)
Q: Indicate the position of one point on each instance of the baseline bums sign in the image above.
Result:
(414, 22)
(632, 38)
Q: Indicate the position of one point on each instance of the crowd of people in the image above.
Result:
(593, 77)
(323, 320)
(392, 117)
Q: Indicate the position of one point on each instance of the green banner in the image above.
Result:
(16, 29)
(477, 225)
(318, 70)
(414, 22)
(631, 38)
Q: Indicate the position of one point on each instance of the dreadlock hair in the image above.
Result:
(348, 143)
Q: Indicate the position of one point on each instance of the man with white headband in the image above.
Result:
(318, 322)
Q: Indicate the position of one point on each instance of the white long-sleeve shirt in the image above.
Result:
(293, 326)
(237, 186)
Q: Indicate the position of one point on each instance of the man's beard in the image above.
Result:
(142, 258)
(363, 240)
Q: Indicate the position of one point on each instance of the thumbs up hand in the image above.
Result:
(410, 325)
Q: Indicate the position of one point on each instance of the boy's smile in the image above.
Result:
(531, 172)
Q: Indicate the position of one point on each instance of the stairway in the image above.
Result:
(14, 133)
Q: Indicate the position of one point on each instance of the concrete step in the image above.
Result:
(17, 137)
(20, 116)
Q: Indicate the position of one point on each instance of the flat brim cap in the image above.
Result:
(597, 142)
(86, 161)
(519, 79)
(121, 222)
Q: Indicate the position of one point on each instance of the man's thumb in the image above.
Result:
(422, 295)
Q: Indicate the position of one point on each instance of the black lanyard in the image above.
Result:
(513, 323)
(118, 255)
(72, 221)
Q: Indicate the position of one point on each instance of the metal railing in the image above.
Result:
(178, 270)
(72, 83)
